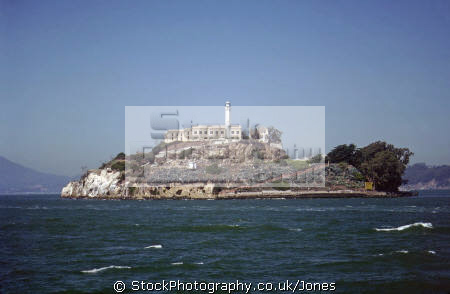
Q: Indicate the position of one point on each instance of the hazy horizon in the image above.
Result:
(69, 68)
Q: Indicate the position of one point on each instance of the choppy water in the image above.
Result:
(402, 245)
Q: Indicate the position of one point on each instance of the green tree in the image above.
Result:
(345, 153)
(385, 170)
(380, 162)
(401, 154)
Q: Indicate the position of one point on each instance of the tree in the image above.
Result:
(401, 154)
(345, 153)
(382, 163)
(385, 170)
(253, 132)
(274, 135)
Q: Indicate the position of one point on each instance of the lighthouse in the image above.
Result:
(227, 113)
(227, 118)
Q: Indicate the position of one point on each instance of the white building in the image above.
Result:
(227, 131)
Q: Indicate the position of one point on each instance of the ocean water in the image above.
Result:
(54, 245)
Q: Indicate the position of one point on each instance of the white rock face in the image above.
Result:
(97, 183)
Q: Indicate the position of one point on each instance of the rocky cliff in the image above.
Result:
(101, 182)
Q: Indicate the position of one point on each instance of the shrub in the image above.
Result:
(258, 154)
(213, 169)
(158, 148)
(316, 159)
(358, 176)
(297, 164)
(118, 165)
(343, 165)
(120, 156)
(281, 185)
(185, 153)
(132, 190)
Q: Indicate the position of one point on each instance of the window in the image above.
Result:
(221, 132)
(210, 132)
(237, 132)
(195, 132)
(200, 132)
(232, 132)
(217, 132)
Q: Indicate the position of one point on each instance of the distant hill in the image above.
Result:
(423, 177)
(15, 178)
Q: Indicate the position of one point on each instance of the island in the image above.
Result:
(224, 161)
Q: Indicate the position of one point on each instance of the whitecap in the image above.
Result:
(431, 251)
(37, 207)
(177, 263)
(198, 262)
(158, 246)
(296, 230)
(402, 251)
(96, 270)
(401, 228)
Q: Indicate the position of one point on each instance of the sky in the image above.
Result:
(69, 68)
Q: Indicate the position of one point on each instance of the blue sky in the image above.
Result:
(69, 68)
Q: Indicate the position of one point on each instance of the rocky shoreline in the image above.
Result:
(208, 192)
(161, 176)
(108, 184)
(319, 194)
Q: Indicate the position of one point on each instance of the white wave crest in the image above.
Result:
(401, 228)
(176, 263)
(402, 251)
(154, 246)
(296, 230)
(431, 251)
(96, 270)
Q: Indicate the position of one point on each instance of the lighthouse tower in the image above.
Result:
(227, 113)
(227, 118)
